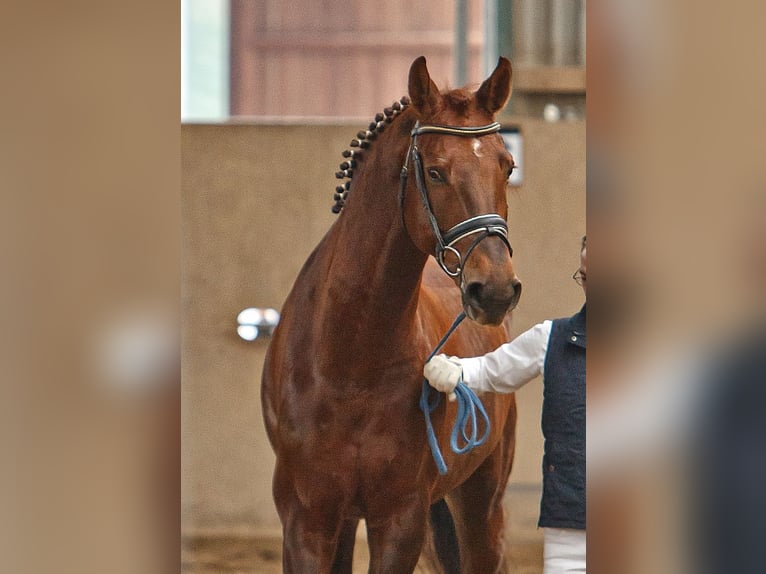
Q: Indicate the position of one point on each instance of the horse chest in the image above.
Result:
(363, 434)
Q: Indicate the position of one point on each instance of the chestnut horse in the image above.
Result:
(343, 373)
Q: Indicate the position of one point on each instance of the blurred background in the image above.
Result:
(677, 239)
(272, 93)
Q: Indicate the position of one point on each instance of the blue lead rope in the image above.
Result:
(466, 422)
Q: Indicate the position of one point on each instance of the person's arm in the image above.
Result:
(504, 370)
(511, 365)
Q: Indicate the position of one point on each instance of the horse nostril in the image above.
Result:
(516, 286)
(474, 291)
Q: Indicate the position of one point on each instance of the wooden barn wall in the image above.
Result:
(256, 199)
(315, 58)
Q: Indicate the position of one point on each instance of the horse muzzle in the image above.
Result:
(488, 303)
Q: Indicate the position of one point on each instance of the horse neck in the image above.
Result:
(374, 284)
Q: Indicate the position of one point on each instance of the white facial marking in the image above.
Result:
(477, 147)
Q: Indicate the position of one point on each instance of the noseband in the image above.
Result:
(482, 226)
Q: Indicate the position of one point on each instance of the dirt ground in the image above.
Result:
(262, 554)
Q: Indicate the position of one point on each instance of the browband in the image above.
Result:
(456, 130)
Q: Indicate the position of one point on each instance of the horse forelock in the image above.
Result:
(459, 101)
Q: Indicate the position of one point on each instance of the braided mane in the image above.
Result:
(362, 141)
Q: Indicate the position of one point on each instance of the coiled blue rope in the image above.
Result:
(466, 423)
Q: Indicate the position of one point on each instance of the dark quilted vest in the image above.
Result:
(563, 500)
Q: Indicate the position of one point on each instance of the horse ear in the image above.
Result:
(495, 91)
(424, 94)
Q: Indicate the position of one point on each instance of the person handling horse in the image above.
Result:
(556, 350)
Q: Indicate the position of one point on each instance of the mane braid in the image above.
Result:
(362, 141)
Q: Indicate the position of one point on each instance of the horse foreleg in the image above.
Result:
(344, 553)
(305, 546)
(481, 521)
(396, 541)
(310, 528)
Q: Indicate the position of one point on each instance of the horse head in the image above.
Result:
(455, 206)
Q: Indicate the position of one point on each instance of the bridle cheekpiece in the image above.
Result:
(481, 225)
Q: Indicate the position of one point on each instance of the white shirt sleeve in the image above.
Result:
(511, 365)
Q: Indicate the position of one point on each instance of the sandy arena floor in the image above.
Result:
(263, 554)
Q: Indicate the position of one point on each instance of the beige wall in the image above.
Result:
(250, 219)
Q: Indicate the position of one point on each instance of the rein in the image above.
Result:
(484, 225)
(466, 421)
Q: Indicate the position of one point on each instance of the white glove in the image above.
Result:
(443, 373)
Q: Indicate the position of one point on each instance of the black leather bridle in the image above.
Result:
(481, 225)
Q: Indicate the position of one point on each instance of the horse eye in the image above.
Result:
(434, 174)
(510, 171)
